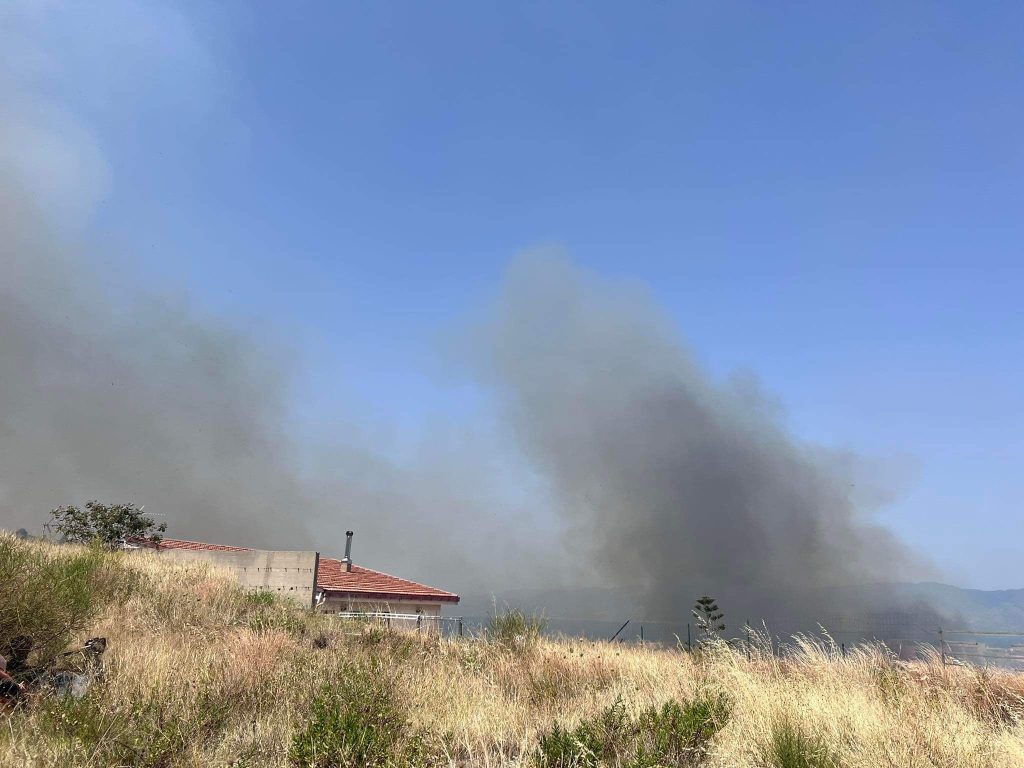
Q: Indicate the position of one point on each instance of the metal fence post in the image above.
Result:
(942, 648)
(460, 626)
(689, 644)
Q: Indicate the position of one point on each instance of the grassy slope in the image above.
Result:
(200, 675)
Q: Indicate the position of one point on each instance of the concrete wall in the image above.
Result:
(289, 574)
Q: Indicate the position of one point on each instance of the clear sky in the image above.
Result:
(828, 195)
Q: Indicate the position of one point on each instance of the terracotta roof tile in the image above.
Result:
(364, 582)
(196, 545)
(333, 578)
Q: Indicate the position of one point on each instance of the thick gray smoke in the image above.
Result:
(671, 482)
(144, 401)
(143, 398)
(135, 396)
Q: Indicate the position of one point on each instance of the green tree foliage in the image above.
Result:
(107, 523)
(709, 619)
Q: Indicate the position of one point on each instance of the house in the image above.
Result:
(331, 585)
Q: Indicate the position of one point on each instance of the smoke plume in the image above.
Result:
(135, 395)
(670, 482)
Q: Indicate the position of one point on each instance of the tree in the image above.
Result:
(709, 619)
(106, 523)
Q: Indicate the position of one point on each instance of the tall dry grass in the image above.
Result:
(201, 675)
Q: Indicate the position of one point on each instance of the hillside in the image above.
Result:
(200, 674)
(999, 610)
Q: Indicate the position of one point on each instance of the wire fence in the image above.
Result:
(907, 638)
(447, 626)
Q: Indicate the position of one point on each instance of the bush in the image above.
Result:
(791, 747)
(679, 734)
(356, 722)
(591, 741)
(676, 734)
(562, 748)
(50, 594)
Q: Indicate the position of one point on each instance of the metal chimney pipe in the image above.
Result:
(347, 560)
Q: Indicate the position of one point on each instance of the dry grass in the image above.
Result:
(199, 675)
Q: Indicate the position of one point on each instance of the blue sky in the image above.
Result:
(826, 195)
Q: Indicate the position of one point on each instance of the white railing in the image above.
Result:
(419, 622)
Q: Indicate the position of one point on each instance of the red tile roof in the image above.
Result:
(193, 545)
(374, 585)
(363, 583)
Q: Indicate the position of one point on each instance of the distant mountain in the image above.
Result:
(999, 610)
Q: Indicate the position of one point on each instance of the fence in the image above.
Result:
(1004, 649)
(953, 646)
(447, 626)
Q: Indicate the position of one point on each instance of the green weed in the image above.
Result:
(792, 747)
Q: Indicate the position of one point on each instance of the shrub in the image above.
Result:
(562, 748)
(790, 746)
(676, 734)
(50, 594)
(591, 741)
(679, 734)
(356, 722)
